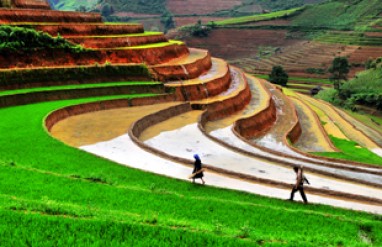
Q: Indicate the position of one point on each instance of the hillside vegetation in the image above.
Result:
(339, 15)
(24, 39)
(161, 6)
(365, 89)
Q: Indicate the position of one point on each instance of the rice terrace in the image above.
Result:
(189, 123)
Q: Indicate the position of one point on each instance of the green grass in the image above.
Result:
(55, 195)
(302, 86)
(350, 150)
(260, 17)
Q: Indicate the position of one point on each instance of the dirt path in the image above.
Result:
(86, 129)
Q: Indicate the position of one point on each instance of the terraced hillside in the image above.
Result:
(96, 148)
(320, 32)
(153, 13)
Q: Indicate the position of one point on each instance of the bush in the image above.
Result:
(329, 95)
(278, 76)
(24, 39)
(317, 71)
(197, 30)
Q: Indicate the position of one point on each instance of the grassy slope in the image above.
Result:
(342, 14)
(260, 17)
(52, 194)
(351, 151)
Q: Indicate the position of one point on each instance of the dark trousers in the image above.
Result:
(301, 189)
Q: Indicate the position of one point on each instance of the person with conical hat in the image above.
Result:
(198, 170)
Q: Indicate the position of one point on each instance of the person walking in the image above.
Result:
(299, 186)
(198, 170)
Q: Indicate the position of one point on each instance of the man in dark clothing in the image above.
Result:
(299, 186)
(197, 169)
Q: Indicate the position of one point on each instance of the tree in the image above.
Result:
(278, 76)
(167, 21)
(107, 10)
(339, 71)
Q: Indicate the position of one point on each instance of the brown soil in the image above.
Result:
(201, 7)
(374, 34)
(53, 95)
(236, 44)
(51, 58)
(35, 15)
(362, 54)
(31, 4)
(71, 29)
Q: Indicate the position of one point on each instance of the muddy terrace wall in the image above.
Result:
(53, 95)
(258, 124)
(70, 29)
(150, 56)
(94, 42)
(74, 110)
(28, 78)
(28, 15)
(295, 133)
(59, 57)
(142, 124)
(202, 91)
(224, 108)
(31, 4)
(183, 71)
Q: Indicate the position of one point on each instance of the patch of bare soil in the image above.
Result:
(201, 7)
(236, 43)
(134, 15)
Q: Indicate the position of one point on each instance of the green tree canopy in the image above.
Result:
(339, 71)
(278, 76)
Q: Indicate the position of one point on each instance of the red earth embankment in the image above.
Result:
(225, 107)
(31, 4)
(183, 71)
(56, 57)
(204, 90)
(258, 124)
(117, 41)
(72, 29)
(53, 95)
(35, 15)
